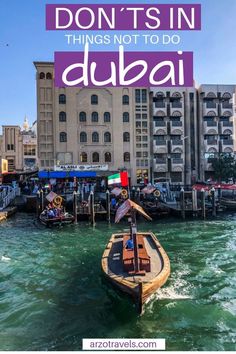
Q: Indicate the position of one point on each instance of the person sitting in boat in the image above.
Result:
(129, 244)
(113, 203)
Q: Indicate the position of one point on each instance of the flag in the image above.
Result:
(124, 179)
(116, 191)
(114, 179)
(126, 206)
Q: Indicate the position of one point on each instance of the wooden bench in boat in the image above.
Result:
(128, 256)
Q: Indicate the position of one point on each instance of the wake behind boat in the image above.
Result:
(135, 262)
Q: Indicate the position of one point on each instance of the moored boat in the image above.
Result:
(228, 203)
(54, 214)
(62, 219)
(135, 262)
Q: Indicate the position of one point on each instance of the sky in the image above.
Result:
(24, 39)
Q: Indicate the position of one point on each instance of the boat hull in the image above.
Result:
(56, 221)
(139, 287)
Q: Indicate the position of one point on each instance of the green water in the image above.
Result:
(52, 293)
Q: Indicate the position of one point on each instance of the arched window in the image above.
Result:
(82, 117)
(125, 99)
(126, 137)
(62, 99)
(83, 157)
(126, 157)
(107, 137)
(226, 95)
(62, 117)
(49, 76)
(107, 117)
(126, 117)
(95, 157)
(42, 76)
(83, 137)
(95, 117)
(63, 137)
(94, 99)
(95, 137)
(107, 157)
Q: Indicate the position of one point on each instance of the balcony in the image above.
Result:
(210, 126)
(160, 111)
(160, 167)
(177, 161)
(159, 128)
(211, 142)
(159, 146)
(209, 108)
(174, 110)
(160, 161)
(227, 105)
(177, 164)
(225, 127)
(177, 142)
(227, 142)
(176, 128)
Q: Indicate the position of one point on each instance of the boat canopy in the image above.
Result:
(208, 187)
(126, 206)
(148, 190)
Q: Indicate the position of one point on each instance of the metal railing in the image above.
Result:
(7, 196)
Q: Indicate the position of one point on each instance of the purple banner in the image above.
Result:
(115, 69)
(123, 17)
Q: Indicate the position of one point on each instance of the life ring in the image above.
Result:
(57, 201)
(124, 193)
(157, 193)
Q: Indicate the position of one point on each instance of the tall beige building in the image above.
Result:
(216, 125)
(11, 149)
(19, 147)
(89, 126)
(175, 133)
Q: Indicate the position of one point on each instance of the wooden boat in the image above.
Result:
(63, 219)
(139, 271)
(54, 214)
(228, 203)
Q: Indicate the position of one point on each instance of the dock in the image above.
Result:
(7, 213)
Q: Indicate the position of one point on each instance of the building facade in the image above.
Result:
(216, 125)
(153, 133)
(19, 147)
(89, 126)
(175, 133)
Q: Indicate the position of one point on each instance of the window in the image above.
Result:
(107, 157)
(63, 137)
(107, 137)
(126, 137)
(107, 117)
(83, 137)
(62, 117)
(126, 157)
(94, 99)
(95, 137)
(49, 76)
(137, 96)
(82, 117)
(94, 117)
(42, 76)
(126, 117)
(29, 150)
(95, 157)
(144, 96)
(125, 99)
(83, 157)
(62, 99)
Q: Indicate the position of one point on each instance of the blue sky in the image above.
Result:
(23, 39)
